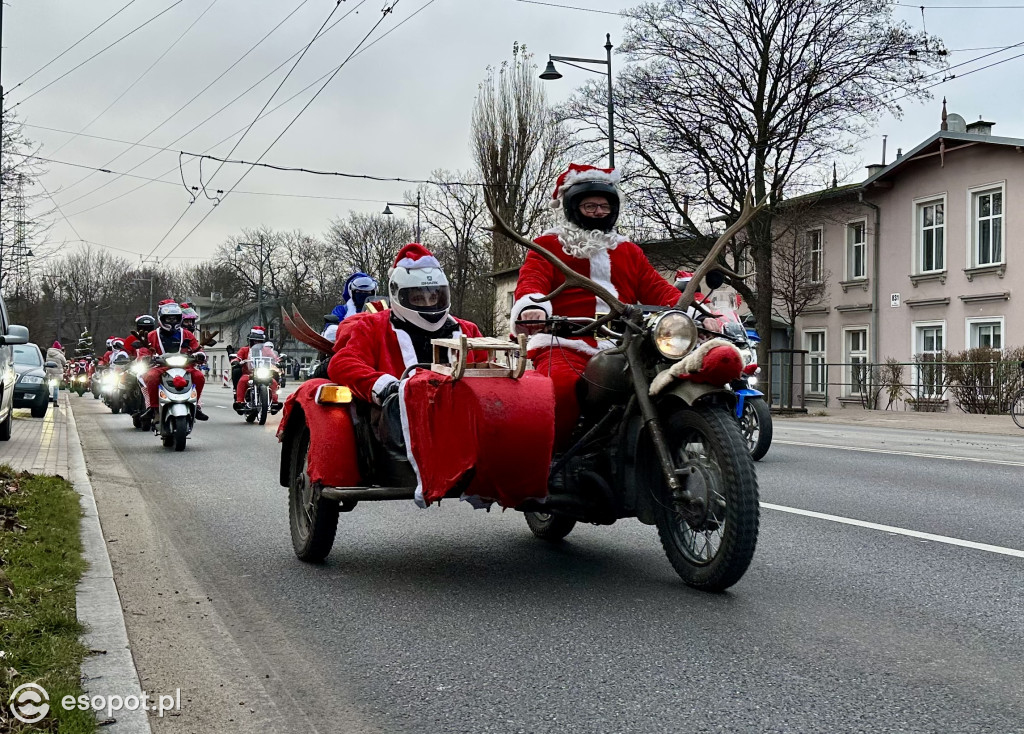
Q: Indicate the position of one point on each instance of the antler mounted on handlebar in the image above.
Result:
(572, 278)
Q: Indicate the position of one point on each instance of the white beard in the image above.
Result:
(584, 243)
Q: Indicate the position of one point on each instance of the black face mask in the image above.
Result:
(359, 299)
(604, 224)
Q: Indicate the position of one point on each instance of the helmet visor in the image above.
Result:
(171, 319)
(425, 298)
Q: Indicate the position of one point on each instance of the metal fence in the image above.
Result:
(797, 379)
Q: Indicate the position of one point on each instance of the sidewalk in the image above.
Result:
(51, 445)
(996, 425)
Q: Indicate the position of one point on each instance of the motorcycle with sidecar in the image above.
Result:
(656, 439)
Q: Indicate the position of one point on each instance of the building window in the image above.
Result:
(817, 372)
(985, 333)
(931, 236)
(856, 251)
(815, 255)
(988, 227)
(856, 361)
(929, 341)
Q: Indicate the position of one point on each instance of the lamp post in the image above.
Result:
(416, 206)
(143, 280)
(551, 73)
(238, 250)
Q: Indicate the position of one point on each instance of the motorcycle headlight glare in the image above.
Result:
(176, 360)
(262, 373)
(674, 334)
(751, 380)
(138, 369)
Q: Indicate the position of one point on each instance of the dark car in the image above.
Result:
(31, 389)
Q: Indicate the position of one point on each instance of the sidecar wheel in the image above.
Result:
(711, 544)
(549, 527)
(314, 523)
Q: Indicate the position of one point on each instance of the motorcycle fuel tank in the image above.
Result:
(605, 380)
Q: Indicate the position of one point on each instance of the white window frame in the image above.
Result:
(974, 226)
(919, 381)
(917, 259)
(813, 367)
(975, 321)
(850, 275)
(848, 358)
(820, 251)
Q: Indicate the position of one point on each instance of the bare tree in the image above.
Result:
(800, 278)
(725, 96)
(368, 242)
(518, 145)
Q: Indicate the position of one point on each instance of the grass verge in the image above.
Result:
(40, 565)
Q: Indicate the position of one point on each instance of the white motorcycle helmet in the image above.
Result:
(419, 288)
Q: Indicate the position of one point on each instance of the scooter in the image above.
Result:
(176, 401)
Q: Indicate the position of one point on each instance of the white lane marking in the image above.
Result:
(898, 531)
(901, 453)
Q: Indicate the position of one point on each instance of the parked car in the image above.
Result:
(10, 335)
(31, 389)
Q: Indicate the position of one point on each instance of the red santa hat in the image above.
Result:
(415, 256)
(166, 301)
(577, 173)
(683, 276)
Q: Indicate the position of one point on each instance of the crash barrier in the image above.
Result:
(799, 380)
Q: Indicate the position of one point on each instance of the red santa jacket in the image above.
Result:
(625, 271)
(371, 353)
(189, 343)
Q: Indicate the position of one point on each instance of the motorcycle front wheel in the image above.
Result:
(710, 538)
(180, 432)
(756, 424)
(313, 522)
(263, 404)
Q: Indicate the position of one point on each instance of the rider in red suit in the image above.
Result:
(167, 339)
(585, 240)
(105, 359)
(257, 337)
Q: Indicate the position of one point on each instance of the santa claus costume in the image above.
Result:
(591, 247)
(257, 338)
(170, 338)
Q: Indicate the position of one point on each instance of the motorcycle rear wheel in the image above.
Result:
(180, 432)
(756, 425)
(547, 526)
(313, 522)
(710, 547)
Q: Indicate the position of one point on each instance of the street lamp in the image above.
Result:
(238, 250)
(143, 280)
(551, 73)
(416, 206)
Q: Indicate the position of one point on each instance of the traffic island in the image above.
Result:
(41, 563)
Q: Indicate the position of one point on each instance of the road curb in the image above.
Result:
(113, 672)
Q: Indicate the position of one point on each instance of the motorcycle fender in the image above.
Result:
(692, 393)
(749, 392)
(176, 409)
(332, 459)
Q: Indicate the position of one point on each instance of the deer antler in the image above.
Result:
(749, 210)
(572, 278)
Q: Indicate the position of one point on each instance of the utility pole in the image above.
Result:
(3, 118)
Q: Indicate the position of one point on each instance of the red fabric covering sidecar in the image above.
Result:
(332, 442)
(502, 430)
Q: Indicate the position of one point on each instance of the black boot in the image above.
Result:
(275, 407)
(200, 415)
(238, 407)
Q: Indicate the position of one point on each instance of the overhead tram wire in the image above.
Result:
(102, 50)
(139, 78)
(571, 7)
(74, 45)
(246, 132)
(388, 9)
(210, 117)
(139, 142)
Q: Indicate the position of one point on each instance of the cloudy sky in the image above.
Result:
(399, 108)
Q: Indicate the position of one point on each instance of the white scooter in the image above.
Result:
(176, 401)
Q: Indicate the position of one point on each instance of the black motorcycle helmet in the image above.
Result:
(145, 324)
(578, 192)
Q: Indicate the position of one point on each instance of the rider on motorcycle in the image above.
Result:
(358, 288)
(375, 349)
(168, 338)
(257, 338)
(587, 242)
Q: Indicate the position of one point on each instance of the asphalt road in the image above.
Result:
(453, 620)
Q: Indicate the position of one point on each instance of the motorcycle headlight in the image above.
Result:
(176, 360)
(751, 380)
(262, 373)
(138, 369)
(674, 334)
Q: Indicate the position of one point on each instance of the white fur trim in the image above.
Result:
(688, 365)
(601, 273)
(407, 435)
(424, 262)
(550, 341)
(409, 357)
(382, 382)
(594, 174)
(520, 305)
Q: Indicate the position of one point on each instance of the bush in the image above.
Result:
(984, 380)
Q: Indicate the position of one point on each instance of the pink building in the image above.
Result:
(915, 257)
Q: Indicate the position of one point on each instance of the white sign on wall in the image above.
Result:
(894, 300)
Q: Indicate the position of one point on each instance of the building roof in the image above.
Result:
(935, 143)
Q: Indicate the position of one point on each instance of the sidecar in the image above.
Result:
(482, 432)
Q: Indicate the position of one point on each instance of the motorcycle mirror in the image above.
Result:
(715, 279)
(51, 365)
